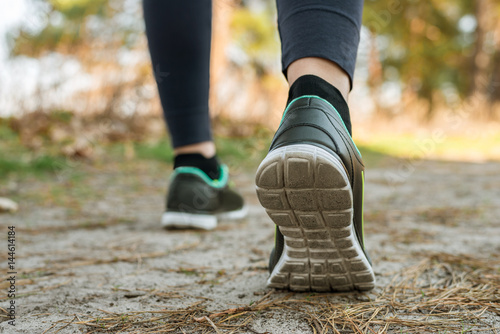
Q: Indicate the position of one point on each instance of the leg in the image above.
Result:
(320, 38)
(319, 29)
(312, 180)
(179, 36)
(323, 68)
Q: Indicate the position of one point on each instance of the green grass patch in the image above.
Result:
(160, 151)
(242, 152)
(450, 147)
(372, 158)
(246, 152)
(27, 164)
(16, 159)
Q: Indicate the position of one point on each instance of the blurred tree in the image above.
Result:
(254, 32)
(101, 35)
(482, 65)
(73, 26)
(433, 45)
(494, 85)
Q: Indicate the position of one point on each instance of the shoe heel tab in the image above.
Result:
(289, 106)
(317, 98)
(310, 98)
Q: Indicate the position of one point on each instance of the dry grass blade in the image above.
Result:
(212, 324)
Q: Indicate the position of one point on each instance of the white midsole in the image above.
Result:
(236, 214)
(285, 257)
(201, 221)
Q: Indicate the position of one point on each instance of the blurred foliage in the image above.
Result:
(72, 26)
(241, 154)
(106, 40)
(77, 136)
(423, 43)
(445, 52)
(255, 33)
(433, 46)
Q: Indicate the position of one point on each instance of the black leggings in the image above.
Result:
(179, 35)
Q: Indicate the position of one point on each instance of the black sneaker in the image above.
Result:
(311, 185)
(194, 200)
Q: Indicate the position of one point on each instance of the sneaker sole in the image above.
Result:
(306, 192)
(185, 220)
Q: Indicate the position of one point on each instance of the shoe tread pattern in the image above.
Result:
(306, 192)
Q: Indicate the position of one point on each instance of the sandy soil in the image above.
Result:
(433, 234)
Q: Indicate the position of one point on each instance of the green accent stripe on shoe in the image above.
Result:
(317, 97)
(363, 208)
(219, 183)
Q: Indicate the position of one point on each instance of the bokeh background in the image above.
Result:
(75, 75)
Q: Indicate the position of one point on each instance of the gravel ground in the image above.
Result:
(90, 249)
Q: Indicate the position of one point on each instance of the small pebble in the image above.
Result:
(8, 205)
(134, 294)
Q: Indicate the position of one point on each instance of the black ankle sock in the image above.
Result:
(313, 85)
(208, 165)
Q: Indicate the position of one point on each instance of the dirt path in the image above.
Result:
(93, 258)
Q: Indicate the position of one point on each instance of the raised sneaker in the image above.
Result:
(311, 184)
